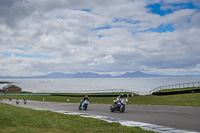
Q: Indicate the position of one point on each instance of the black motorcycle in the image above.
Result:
(24, 101)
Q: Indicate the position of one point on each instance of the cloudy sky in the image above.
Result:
(104, 36)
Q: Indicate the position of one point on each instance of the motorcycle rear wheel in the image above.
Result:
(112, 108)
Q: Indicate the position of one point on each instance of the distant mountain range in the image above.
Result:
(137, 74)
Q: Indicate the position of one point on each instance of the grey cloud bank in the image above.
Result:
(107, 37)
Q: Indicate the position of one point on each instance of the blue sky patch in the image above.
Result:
(157, 9)
(86, 10)
(100, 36)
(125, 20)
(101, 28)
(34, 56)
(162, 28)
(29, 56)
(6, 54)
(22, 49)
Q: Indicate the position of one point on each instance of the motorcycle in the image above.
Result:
(120, 106)
(17, 101)
(84, 105)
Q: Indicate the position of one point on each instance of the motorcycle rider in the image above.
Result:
(121, 96)
(85, 98)
(17, 101)
(24, 100)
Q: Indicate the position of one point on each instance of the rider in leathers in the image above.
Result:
(121, 96)
(85, 98)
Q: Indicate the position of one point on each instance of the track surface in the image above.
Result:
(179, 117)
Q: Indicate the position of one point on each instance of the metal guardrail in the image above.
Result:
(80, 91)
(105, 91)
(176, 86)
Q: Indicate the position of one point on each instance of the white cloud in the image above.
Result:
(108, 36)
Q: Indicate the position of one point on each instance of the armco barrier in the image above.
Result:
(94, 95)
(105, 91)
(90, 95)
(176, 86)
(25, 94)
(177, 92)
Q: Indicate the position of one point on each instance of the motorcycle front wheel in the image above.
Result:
(85, 107)
(122, 108)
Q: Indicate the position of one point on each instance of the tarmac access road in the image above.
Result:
(178, 117)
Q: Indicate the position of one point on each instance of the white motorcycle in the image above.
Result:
(120, 106)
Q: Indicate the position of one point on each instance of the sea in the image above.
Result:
(85, 85)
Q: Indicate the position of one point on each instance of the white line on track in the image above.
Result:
(145, 126)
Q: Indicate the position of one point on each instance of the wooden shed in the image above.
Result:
(10, 89)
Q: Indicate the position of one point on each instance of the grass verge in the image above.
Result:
(181, 89)
(22, 120)
(189, 99)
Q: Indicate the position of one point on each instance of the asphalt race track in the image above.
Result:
(177, 117)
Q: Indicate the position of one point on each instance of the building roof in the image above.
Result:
(2, 85)
(7, 86)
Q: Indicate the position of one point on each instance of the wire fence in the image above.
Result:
(176, 86)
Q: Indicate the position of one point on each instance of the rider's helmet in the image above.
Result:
(86, 96)
(121, 95)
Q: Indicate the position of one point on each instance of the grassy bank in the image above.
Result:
(190, 99)
(22, 120)
(181, 89)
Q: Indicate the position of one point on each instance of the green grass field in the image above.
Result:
(190, 99)
(22, 120)
(181, 89)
